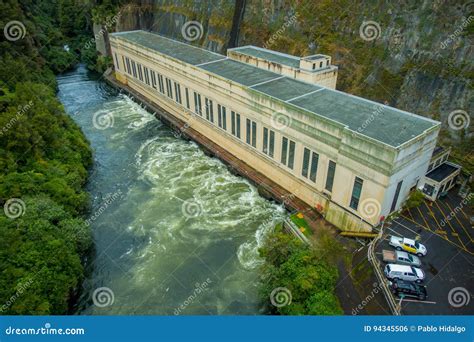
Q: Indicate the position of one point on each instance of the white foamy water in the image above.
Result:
(182, 219)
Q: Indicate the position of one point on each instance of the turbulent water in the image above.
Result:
(175, 232)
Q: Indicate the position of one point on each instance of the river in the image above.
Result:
(174, 231)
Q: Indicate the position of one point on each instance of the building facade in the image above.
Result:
(352, 159)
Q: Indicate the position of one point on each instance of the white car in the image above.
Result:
(404, 272)
(408, 245)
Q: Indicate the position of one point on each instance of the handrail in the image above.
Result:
(394, 307)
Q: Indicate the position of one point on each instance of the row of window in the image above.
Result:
(288, 147)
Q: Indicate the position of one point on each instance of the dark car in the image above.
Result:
(409, 289)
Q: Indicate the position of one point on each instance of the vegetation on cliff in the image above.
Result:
(43, 160)
(298, 279)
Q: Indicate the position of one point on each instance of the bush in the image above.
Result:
(304, 271)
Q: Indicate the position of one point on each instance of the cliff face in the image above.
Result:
(415, 55)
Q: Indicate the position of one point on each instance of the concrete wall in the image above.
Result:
(355, 155)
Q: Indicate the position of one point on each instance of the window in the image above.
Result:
(428, 189)
(177, 91)
(188, 105)
(153, 79)
(147, 77)
(116, 61)
(330, 176)
(291, 155)
(356, 190)
(251, 136)
(134, 69)
(320, 64)
(161, 84)
(306, 156)
(221, 117)
(209, 110)
(197, 104)
(395, 197)
(268, 141)
(314, 167)
(169, 88)
(288, 154)
(140, 72)
(314, 66)
(129, 69)
(235, 118)
(284, 150)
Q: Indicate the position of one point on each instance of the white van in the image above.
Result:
(404, 272)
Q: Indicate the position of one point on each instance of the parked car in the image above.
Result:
(408, 245)
(402, 258)
(404, 272)
(409, 289)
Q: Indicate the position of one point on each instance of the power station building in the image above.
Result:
(352, 159)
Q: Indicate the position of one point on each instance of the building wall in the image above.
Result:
(355, 156)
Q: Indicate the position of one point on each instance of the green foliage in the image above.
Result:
(415, 199)
(43, 161)
(40, 250)
(305, 271)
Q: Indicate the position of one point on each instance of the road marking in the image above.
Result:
(427, 225)
(460, 223)
(440, 236)
(407, 228)
(453, 233)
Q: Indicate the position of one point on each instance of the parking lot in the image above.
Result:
(449, 263)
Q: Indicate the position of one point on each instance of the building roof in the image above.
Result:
(442, 172)
(382, 123)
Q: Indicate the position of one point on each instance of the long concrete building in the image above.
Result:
(352, 159)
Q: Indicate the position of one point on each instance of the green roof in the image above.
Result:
(181, 51)
(379, 122)
(240, 72)
(273, 56)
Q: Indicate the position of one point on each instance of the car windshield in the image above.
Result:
(413, 270)
(410, 258)
(417, 245)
